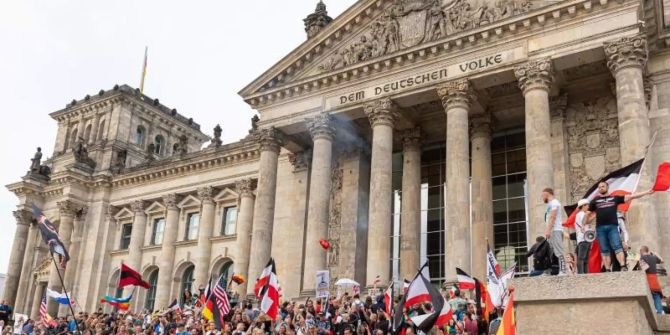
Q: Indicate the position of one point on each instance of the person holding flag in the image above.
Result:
(603, 210)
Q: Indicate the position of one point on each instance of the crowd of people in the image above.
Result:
(348, 314)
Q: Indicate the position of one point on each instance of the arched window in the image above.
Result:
(159, 142)
(225, 272)
(139, 135)
(101, 130)
(151, 293)
(73, 137)
(187, 283)
(87, 133)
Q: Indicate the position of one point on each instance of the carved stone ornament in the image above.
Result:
(300, 160)
(481, 126)
(316, 21)
(205, 194)
(407, 23)
(626, 52)
(411, 138)
(245, 187)
(557, 106)
(535, 74)
(36, 160)
(81, 213)
(137, 206)
(381, 112)
(216, 141)
(110, 211)
(171, 200)
(456, 93)
(23, 217)
(67, 207)
(321, 126)
(269, 139)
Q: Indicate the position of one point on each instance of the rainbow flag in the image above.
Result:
(120, 303)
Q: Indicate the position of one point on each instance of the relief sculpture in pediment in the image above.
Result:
(407, 23)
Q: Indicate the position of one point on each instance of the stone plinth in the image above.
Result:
(604, 303)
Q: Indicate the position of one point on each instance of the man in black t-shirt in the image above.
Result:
(607, 224)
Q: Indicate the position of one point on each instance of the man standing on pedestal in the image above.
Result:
(554, 231)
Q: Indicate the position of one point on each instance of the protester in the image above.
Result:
(554, 227)
(583, 246)
(607, 223)
(648, 263)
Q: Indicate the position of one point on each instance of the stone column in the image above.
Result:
(322, 131)
(205, 228)
(456, 99)
(269, 141)
(75, 247)
(410, 213)
(535, 79)
(20, 305)
(245, 214)
(67, 210)
(382, 114)
(166, 257)
(37, 300)
(482, 203)
(16, 256)
(137, 235)
(626, 59)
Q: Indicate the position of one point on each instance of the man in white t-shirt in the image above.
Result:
(553, 218)
(583, 246)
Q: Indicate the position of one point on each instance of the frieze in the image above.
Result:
(408, 23)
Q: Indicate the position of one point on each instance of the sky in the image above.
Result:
(201, 53)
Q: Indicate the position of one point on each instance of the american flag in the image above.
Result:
(45, 318)
(221, 299)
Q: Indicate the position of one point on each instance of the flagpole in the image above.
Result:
(644, 161)
(67, 296)
(144, 69)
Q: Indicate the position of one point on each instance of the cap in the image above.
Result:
(582, 202)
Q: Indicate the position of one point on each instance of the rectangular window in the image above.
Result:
(157, 231)
(229, 220)
(126, 230)
(192, 221)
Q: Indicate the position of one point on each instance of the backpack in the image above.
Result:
(542, 256)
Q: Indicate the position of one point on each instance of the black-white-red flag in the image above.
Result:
(422, 291)
(465, 282)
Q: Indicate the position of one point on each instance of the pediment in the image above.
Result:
(124, 213)
(155, 207)
(377, 29)
(226, 194)
(189, 201)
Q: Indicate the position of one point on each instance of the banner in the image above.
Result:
(322, 283)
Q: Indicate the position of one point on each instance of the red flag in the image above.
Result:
(508, 323)
(131, 277)
(663, 177)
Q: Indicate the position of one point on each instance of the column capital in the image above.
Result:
(300, 160)
(381, 112)
(535, 74)
(23, 217)
(481, 126)
(110, 211)
(630, 51)
(269, 139)
(321, 126)
(245, 187)
(206, 194)
(137, 206)
(411, 139)
(170, 200)
(81, 213)
(456, 93)
(67, 208)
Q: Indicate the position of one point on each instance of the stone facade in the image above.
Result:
(342, 151)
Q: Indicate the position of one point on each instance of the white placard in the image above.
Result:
(322, 284)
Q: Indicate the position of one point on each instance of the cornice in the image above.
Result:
(200, 161)
(460, 42)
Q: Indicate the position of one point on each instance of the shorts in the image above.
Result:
(609, 239)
